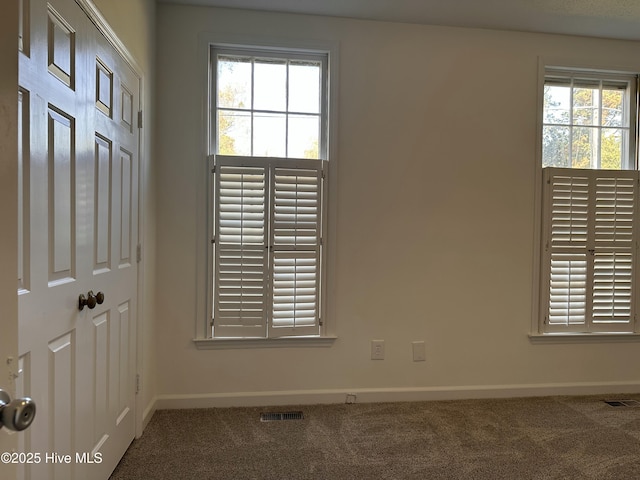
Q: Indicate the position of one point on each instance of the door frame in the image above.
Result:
(8, 213)
(101, 23)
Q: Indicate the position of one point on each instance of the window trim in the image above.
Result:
(204, 228)
(537, 334)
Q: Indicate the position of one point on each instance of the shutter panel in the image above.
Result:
(615, 198)
(296, 199)
(590, 250)
(241, 255)
(568, 199)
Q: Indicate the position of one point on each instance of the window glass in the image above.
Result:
(270, 85)
(304, 87)
(234, 82)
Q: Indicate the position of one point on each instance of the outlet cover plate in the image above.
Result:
(377, 349)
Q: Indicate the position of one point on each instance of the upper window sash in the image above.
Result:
(269, 103)
(589, 120)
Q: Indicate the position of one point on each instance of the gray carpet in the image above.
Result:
(533, 438)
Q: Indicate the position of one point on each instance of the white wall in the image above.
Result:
(435, 229)
(134, 23)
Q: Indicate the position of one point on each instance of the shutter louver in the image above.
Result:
(241, 257)
(568, 289)
(295, 290)
(295, 236)
(296, 207)
(590, 254)
(612, 287)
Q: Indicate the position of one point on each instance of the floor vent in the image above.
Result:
(276, 416)
(622, 403)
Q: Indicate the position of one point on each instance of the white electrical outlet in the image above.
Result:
(377, 349)
(419, 354)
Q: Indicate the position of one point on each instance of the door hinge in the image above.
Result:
(139, 253)
(211, 324)
(140, 119)
(137, 383)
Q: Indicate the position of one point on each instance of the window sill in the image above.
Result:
(541, 338)
(230, 343)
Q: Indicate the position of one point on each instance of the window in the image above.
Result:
(269, 193)
(590, 203)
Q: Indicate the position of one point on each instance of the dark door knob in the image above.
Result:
(90, 300)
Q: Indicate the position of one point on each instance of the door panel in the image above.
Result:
(62, 196)
(23, 190)
(102, 208)
(78, 207)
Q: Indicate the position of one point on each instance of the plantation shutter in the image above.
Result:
(240, 307)
(590, 250)
(267, 228)
(296, 201)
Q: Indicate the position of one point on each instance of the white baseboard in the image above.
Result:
(371, 395)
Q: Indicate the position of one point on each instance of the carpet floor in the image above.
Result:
(516, 439)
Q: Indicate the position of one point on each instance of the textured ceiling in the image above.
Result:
(596, 18)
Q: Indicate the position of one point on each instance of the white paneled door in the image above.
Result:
(78, 224)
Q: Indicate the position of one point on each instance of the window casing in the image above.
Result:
(590, 202)
(269, 193)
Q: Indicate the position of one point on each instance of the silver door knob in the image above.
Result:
(16, 414)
